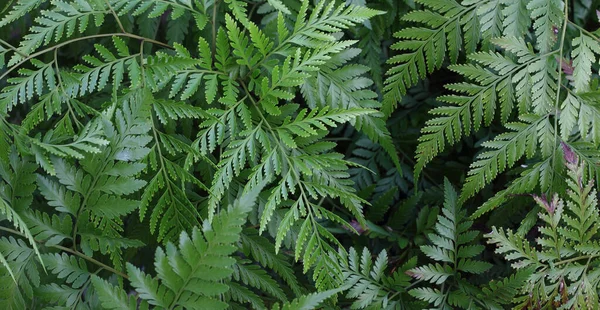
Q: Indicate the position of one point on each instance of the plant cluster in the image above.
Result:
(299, 154)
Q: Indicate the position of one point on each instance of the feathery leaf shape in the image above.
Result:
(99, 71)
(505, 150)
(307, 302)
(368, 283)
(191, 273)
(30, 83)
(18, 9)
(452, 251)
(344, 86)
(447, 26)
(173, 211)
(546, 14)
(566, 242)
(22, 262)
(62, 21)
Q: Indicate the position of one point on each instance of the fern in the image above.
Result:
(454, 256)
(203, 263)
(234, 154)
(18, 9)
(426, 46)
(565, 247)
(63, 21)
(368, 283)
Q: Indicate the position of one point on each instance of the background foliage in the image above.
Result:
(296, 154)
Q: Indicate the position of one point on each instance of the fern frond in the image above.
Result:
(19, 9)
(307, 302)
(367, 282)
(347, 88)
(63, 20)
(100, 71)
(545, 14)
(584, 55)
(21, 275)
(506, 150)
(580, 114)
(154, 9)
(53, 230)
(72, 268)
(530, 82)
(541, 173)
(424, 48)
(254, 276)
(30, 83)
(263, 251)
(516, 18)
(451, 247)
(112, 297)
(514, 247)
(204, 251)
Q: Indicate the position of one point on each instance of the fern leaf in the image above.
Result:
(30, 83)
(516, 18)
(255, 276)
(209, 249)
(63, 20)
(584, 55)
(113, 297)
(51, 229)
(545, 14)
(72, 268)
(307, 302)
(425, 47)
(19, 9)
(13, 217)
(518, 250)
(507, 149)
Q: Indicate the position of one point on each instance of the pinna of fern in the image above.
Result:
(564, 260)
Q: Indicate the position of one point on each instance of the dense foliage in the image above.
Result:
(299, 154)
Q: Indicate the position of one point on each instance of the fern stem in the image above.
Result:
(95, 36)
(570, 260)
(142, 63)
(12, 48)
(290, 166)
(593, 36)
(558, 80)
(112, 11)
(62, 88)
(92, 260)
(214, 30)
(74, 252)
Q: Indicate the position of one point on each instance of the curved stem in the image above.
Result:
(95, 36)
(74, 252)
(12, 48)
